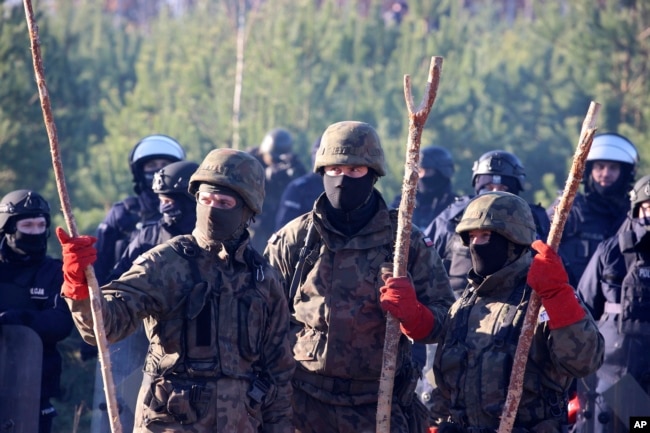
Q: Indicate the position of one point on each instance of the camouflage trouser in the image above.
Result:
(314, 416)
(183, 406)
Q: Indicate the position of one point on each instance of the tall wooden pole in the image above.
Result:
(95, 294)
(555, 235)
(417, 120)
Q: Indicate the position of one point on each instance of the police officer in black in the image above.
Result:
(616, 288)
(599, 211)
(434, 193)
(30, 282)
(281, 166)
(496, 170)
(300, 194)
(114, 233)
(178, 209)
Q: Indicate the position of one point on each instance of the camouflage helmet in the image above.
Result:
(502, 212)
(350, 143)
(22, 203)
(174, 178)
(233, 169)
(639, 194)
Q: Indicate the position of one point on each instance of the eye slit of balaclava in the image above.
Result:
(222, 225)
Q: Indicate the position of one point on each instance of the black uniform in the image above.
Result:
(298, 198)
(29, 296)
(616, 288)
(116, 231)
(592, 219)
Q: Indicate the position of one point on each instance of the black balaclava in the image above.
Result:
(179, 217)
(491, 256)
(430, 187)
(222, 226)
(26, 245)
(349, 193)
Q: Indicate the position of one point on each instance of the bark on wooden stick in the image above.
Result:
(417, 120)
(555, 235)
(95, 294)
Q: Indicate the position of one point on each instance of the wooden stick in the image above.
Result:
(417, 120)
(561, 213)
(95, 294)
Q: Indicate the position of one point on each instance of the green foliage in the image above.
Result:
(508, 82)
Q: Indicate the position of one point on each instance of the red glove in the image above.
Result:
(398, 298)
(548, 278)
(78, 254)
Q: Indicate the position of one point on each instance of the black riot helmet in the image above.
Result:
(277, 142)
(150, 148)
(174, 178)
(439, 159)
(499, 166)
(19, 204)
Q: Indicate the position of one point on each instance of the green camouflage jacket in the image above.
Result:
(474, 361)
(338, 327)
(229, 322)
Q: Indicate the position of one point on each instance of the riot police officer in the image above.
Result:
(496, 170)
(214, 312)
(434, 192)
(281, 167)
(30, 282)
(599, 211)
(114, 233)
(616, 288)
(300, 194)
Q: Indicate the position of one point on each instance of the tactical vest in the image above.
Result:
(213, 315)
(626, 322)
(582, 235)
(491, 367)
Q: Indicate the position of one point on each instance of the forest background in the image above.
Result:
(517, 75)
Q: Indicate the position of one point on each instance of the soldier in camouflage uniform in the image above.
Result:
(474, 360)
(331, 262)
(214, 312)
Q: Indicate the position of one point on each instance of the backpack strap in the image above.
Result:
(312, 237)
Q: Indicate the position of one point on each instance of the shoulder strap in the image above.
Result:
(185, 248)
(312, 236)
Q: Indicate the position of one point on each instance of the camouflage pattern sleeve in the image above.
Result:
(278, 358)
(576, 350)
(137, 294)
(430, 281)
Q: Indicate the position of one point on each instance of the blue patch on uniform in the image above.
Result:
(427, 241)
(543, 316)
